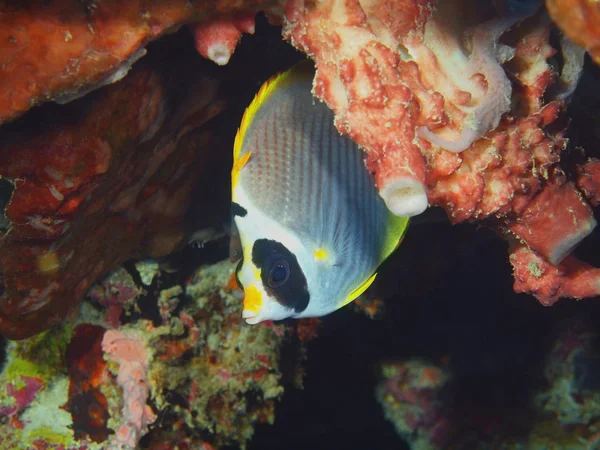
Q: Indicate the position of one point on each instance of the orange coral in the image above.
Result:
(61, 49)
(580, 21)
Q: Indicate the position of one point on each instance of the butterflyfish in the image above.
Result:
(312, 227)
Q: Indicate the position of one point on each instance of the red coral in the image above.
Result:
(106, 180)
(461, 100)
(86, 367)
(363, 80)
(535, 275)
(62, 49)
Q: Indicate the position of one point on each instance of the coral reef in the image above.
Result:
(465, 112)
(195, 375)
(101, 180)
(573, 395)
(432, 97)
(410, 396)
(420, 400)
(64, 49)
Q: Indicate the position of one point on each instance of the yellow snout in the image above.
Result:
(252, 299)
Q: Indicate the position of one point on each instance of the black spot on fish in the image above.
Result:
(238, 210)
(281, 275)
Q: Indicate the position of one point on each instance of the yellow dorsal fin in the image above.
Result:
(300, 70)
(237, 167)
(359, 290)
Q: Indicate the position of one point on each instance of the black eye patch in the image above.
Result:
(281, 274)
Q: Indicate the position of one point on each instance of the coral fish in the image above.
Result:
(312, 226)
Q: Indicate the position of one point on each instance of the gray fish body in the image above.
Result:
(312, 180)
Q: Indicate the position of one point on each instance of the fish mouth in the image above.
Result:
(250, 317)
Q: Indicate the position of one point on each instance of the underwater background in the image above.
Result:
(439, 353)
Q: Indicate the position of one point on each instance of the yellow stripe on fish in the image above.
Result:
(312, 225)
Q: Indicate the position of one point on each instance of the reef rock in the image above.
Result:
(96, 182)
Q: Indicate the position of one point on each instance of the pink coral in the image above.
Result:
(216, 39)
(401, 84)
(370, 88)
(23, 395)
(131, 355)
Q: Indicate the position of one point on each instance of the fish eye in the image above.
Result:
(279, 273)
